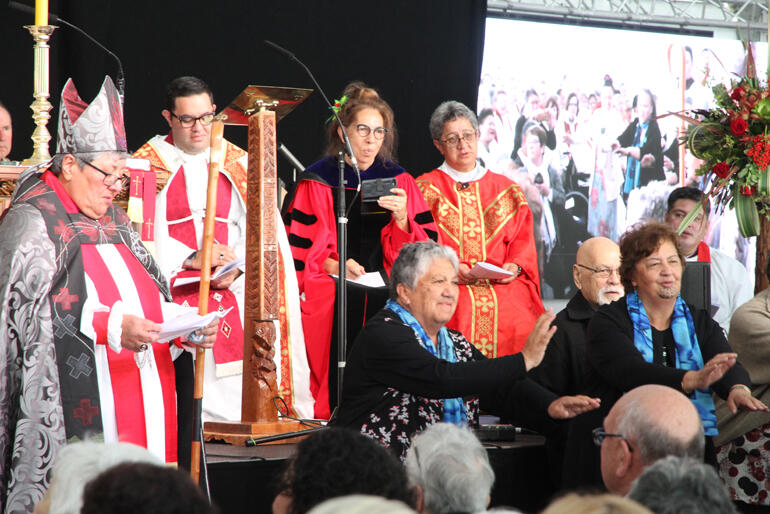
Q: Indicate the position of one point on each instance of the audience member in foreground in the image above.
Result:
(361, 504)
(681, 485)
(595, 504)
(653, 337)
(646, 424)
(407, 371)
(730, 282)
(79, 463)
(450, 470)
(743, 450)
(339, 462)
(133, 488)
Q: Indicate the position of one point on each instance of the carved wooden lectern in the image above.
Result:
(260, 108)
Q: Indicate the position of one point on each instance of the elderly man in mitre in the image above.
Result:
(82, 303)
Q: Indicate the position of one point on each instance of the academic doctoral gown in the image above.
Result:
(66, 281)
(374, 241)
(488, 220)
(180, 211)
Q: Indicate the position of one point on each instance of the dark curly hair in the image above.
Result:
(140, 487)
(641, 241)
(339, 462)
(360, 97)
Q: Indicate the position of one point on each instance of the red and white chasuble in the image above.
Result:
(487, 219)
(137, 391)
(180, 211)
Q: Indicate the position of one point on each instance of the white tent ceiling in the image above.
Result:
(742, 19)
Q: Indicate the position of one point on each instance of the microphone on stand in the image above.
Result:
(348, 147)
(120, 80)
(342, 230)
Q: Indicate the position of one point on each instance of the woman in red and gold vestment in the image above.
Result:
(485, 218)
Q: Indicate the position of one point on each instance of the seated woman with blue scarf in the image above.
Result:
(653, 337)
(406, 370)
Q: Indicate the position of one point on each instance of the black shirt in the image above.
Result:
(393, 386)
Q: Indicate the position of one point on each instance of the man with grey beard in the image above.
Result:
(563, 369)
(598, 281)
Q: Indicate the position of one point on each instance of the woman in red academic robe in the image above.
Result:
(485, 218)
(376, 230)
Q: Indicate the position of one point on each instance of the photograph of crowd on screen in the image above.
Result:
(581, 127)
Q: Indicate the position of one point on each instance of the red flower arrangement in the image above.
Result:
(733, 141)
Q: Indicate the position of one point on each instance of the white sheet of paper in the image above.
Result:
(371, 279)
(484, 270)
(230, 266)
(186, 323)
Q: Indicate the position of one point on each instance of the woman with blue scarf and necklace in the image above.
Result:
(406, 370)
(653, 337)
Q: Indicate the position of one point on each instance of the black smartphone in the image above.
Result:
(373, 189)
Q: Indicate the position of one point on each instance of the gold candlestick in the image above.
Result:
(41, 107)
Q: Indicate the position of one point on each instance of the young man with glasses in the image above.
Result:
(180, 212)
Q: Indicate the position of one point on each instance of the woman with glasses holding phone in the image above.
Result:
(484, 217)
(377, 228)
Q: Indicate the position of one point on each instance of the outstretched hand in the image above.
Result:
(741, 398)
(711, 372)
(566, 407)
(538, 340)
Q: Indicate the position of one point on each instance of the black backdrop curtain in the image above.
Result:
(416, 53)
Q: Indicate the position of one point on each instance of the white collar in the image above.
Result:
(463, 176)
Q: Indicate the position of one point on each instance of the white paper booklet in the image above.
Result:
(484, 270)
(230, 266)
(186, 323)
(371, 279)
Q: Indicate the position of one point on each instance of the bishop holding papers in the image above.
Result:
(82, 302)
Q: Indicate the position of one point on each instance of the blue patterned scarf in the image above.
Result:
(688, 354)
(454, 408)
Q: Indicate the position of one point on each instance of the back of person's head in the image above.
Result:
(361, 504)
(339, 462)
(452, 468)
(595, 504)
(677, 485)
(136, 487)
(661, 422)
(79, 463)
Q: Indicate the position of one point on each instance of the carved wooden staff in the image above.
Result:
(217, 130)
